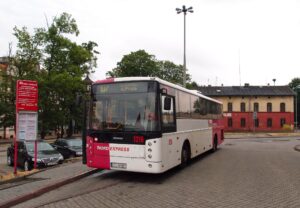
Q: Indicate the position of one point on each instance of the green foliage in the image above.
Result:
(192, 85)
(140, 63)
(294, 86)
(294, 83)
(172, 72)
(58, 64)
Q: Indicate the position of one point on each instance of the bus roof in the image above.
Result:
(128, 79)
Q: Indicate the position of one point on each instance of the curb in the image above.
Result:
(20, 178)
(258, 137)
(46, 189)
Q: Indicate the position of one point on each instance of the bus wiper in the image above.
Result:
(114, 126)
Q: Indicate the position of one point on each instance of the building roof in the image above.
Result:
(219, 91)
(87, 80)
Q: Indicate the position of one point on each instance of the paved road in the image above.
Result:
(243, 173)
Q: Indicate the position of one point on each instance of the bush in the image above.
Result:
(287, 127)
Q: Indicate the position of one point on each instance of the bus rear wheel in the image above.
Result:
(215, 144)
(185, 155)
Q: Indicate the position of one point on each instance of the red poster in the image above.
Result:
(27, 95)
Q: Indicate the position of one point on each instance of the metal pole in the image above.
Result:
(35, 154)
(84, 131)
(184, 50)
(296, 109)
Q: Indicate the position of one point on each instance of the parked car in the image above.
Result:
(46, 154)
(69, 147)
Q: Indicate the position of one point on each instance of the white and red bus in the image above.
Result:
(145, 124)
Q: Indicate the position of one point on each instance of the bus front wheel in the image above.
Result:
(185, 155)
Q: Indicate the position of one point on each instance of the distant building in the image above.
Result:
(255, 108)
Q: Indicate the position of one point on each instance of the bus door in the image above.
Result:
(168, 113)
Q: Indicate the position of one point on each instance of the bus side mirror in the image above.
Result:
(167, 103)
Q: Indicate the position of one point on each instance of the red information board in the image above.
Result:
(26, 115)
(27, 95)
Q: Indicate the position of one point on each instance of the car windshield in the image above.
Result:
(41, 146)
(124, 107)
(74, 143)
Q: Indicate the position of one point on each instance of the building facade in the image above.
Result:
(255, 108)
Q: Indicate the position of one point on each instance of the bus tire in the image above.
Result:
(215, 144)
(185, 155)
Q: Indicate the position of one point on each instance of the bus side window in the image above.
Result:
(168, 114)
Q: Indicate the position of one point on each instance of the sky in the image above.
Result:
(229, 42)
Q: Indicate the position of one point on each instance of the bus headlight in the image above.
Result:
(149, 143)
(149, 156)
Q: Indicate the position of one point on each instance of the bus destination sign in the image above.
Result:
(122, 88)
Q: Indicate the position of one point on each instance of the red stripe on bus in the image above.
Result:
(102, 155)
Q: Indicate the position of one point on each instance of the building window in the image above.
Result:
(269, 122)
(256, 107)
(229, 107)
(243, 107)
(243, 122)
(269, 107)
(282, 122)
(229, 122)
(282, 107)
(256, 122)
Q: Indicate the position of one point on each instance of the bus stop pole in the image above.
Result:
(35, 154)
(15, 143)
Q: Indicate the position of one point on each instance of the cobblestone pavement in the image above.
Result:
(11, 191)
(242, 173)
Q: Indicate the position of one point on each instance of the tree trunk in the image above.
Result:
(4, 132)
(70, 128)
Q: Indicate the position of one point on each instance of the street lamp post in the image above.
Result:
(184, 10)
(88, 83)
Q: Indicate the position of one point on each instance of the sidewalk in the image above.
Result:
(42, 182)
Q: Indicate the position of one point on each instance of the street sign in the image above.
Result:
(27, 125)
(27, 95)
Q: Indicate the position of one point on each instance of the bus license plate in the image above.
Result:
(119, 165)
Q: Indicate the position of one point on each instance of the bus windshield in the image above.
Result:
(127, 111)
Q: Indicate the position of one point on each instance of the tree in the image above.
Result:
(58, 64)
(7, 95)
(172, 72)
(138, 63)
(294, 86)
(192, 85)
(294, 83)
